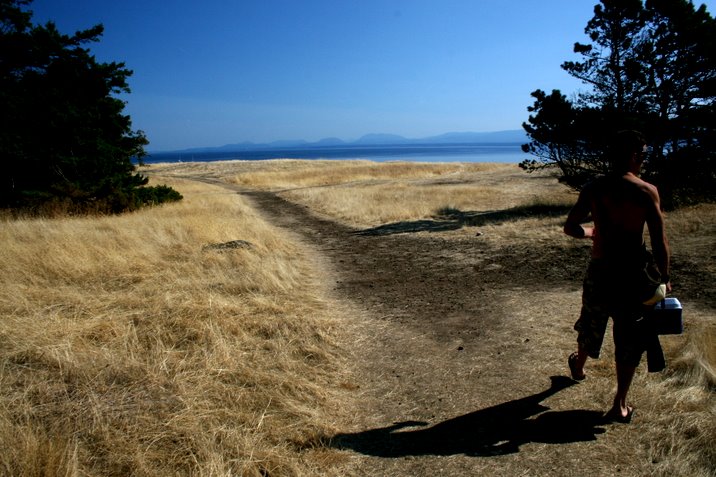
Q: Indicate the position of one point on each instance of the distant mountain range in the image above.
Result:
(497, 137)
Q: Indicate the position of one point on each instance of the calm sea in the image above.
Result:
(508, 152)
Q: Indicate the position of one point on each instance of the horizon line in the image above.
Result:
(339, 141)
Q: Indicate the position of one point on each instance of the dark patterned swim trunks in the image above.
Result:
(607, 291)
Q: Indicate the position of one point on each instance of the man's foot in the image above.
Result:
(577, 374)
(615, 414)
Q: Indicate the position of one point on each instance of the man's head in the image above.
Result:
(628, 151)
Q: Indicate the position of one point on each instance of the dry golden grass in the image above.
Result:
(292, 174)
(365, 194)
(684, 435)
(476, 188)
(128, 348)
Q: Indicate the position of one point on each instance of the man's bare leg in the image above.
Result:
(576, 362)
(620, 410)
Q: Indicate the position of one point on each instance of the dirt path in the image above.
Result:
(447, 385)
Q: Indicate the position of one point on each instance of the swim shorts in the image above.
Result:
(606, 292)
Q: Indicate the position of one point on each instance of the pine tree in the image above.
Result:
(63, 134)
(649, 67)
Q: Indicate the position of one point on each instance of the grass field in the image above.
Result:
(197, 339)
(137, 345)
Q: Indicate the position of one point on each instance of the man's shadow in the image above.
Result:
(495, 430)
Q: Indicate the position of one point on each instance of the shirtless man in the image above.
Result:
(620, 204)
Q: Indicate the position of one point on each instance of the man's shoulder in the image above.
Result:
(643, 185)
(602, 184)
(610, 181)
(622, 188)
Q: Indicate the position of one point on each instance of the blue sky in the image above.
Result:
(215, 72)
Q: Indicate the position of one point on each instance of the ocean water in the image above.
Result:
(508, 152)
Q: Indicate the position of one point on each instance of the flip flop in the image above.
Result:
(572, 362)
(616, 416)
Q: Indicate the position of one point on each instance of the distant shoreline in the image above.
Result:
(509, 152)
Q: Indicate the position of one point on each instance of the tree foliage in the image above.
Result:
(63, 134)
(649, 66)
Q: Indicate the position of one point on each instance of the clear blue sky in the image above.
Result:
(213, 72)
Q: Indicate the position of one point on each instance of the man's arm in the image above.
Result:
(573, 225)
(657, 235)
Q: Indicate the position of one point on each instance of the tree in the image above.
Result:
(611, 65)
(682, 93)
(650, 67)
(63, 134)
(563, 134)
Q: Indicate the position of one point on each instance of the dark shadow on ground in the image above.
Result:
(453, 219)
(507, 215)
(413, 226)
(496, 430)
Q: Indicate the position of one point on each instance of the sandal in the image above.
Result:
(615, 415)
(572, 362)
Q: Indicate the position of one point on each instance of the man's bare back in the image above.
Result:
(620, 206)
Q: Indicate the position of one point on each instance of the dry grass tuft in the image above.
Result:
(683, 435)
(128, 348)
(687, 396)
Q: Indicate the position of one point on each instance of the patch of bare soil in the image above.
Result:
(460, 352)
